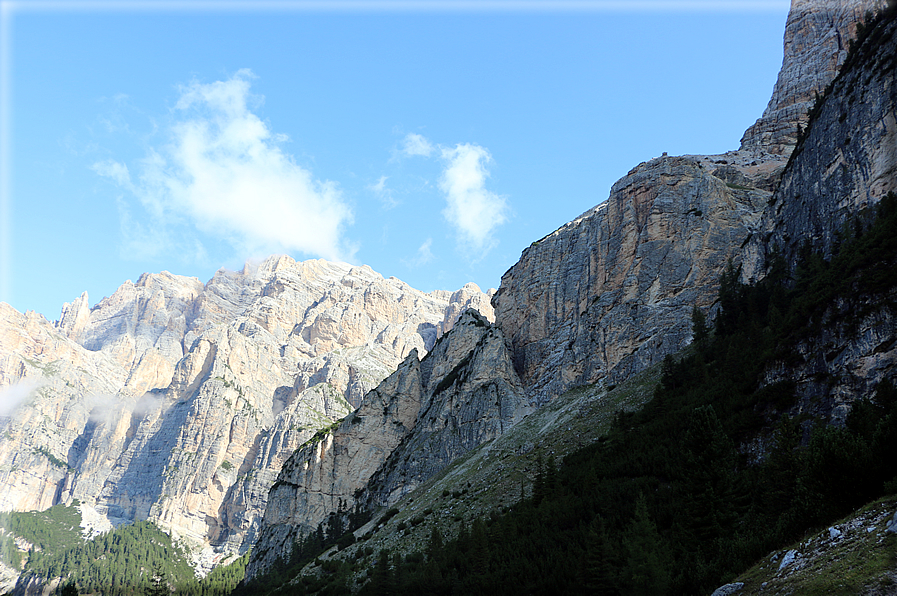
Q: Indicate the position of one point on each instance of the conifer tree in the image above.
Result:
(699, 327)
(599, 576)
(159, 585)
(646, 571)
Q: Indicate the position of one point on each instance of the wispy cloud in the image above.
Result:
(384, 193)
(424, 255)
(107, 409)
(115, 171)
(13, 396)
(224, 172)
(415, 144)
(472, 210)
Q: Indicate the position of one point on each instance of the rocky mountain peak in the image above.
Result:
(178, 401)
(817, 34)
(75, 316)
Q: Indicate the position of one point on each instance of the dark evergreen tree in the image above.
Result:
(601, 563)
(646, 571)
(700, 329)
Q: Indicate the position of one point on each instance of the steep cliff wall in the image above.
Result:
(420, 419)
(817, 35)
(845, 164)
(611, 292)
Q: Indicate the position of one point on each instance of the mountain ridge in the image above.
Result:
(212, 384)
(606, 297)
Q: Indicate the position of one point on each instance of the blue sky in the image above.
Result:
(433, 141)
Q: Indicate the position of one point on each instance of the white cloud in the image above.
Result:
(384, 193)
(106, 409)
(424, 255)
(415, 144)
(472, 210)
(224, 172)
(13, 396)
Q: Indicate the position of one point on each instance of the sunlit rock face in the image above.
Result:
(179, 402)
(415, 423)
(817, 36)
(612, 291)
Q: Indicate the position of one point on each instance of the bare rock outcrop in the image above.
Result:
(612, 291)
(421, 418)
(817, 37)
(843, 167)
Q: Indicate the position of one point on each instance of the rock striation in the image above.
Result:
(179, 402)
(421, 418)
(611, 292)
(598, 300)
(845, 164)
(816, 41)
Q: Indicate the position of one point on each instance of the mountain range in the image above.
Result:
(255, 408)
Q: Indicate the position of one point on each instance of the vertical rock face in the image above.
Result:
(846, 163)
(844, 166)
(75, 316)
(816, 43)
(179, 403)
(612, 291)
(421, 418)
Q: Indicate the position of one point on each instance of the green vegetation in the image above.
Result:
(321, 433)
(50, 531)
(856, 561)
(338, 530)
(53, 459)
(124, 561)
(135, 559)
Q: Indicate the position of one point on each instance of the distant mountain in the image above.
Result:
(178, 402)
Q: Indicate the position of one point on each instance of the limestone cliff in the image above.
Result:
(612, 291)
(179, 402)
(845, 164)
(604, 297)
(420, 419)
(817, 37)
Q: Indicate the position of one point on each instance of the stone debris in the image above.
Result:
(788, 559)
(728, 589)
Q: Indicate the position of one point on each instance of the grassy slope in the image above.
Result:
(861, 560)
(493, 476)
